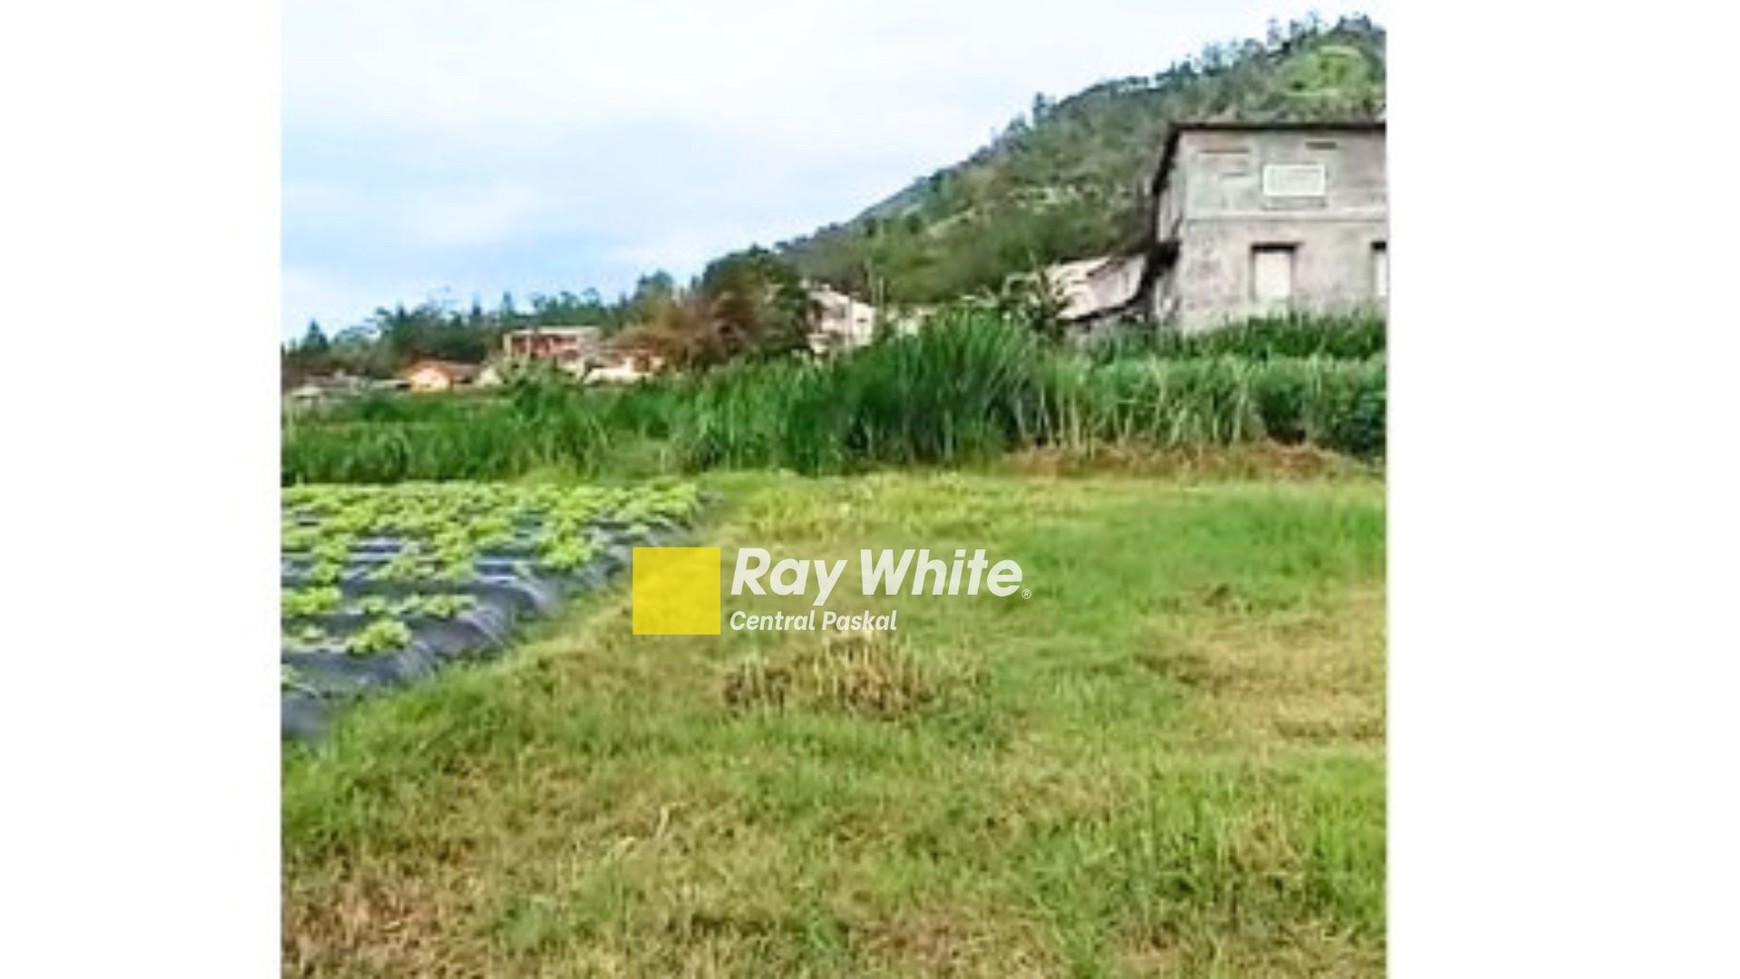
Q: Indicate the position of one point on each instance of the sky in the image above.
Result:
(464, 149)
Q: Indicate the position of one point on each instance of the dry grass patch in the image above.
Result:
(1260, 460)
(862, 674)
(380, 920)
(1317, 952)
(957, 941)
(1315, 676)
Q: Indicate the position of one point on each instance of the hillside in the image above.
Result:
(1067, 179)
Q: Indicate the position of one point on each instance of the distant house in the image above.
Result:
(1262, 218)
(1096, 291)
(319, 389)
(843, 323)
(440, 375)
(305, 394)
(568, 346)
(1248, 219)
(624, 363)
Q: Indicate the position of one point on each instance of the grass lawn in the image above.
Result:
(1170, 760)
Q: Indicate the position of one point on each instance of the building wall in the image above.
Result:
(557, 343)
(843, 323)
(1114, 283)
(429, 379)
(1221, 213)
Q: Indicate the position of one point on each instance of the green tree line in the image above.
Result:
(747, 304)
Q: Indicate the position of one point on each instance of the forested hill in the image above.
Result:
(1067, 179)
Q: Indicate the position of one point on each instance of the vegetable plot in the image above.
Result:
(385, 584)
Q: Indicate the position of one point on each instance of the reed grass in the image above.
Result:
(969, 387)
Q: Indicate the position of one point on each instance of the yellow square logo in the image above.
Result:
(676, 591)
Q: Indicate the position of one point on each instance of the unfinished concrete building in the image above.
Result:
(1256, 219)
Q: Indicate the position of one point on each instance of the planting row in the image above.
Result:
(384, 585)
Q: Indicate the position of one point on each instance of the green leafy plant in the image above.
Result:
(380, 636)
(566, 555)
(318, 600)
(325, 572)
(441, 605)
(407, 565)
(299, 537)
(290, 678)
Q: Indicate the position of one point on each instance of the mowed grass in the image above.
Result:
(1169, 760)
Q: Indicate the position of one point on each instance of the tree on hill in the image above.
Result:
(750, 304)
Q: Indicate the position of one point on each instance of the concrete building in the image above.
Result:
(1255, 219)
(427, 376)
(624, 361)
(1096, 291)
(842, 322)
(562, 344)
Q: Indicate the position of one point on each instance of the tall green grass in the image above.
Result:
(1355, 336)
(968, 387)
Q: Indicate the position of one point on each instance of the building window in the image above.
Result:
(1295, 180)
(1380, 269)
(1272, 273)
